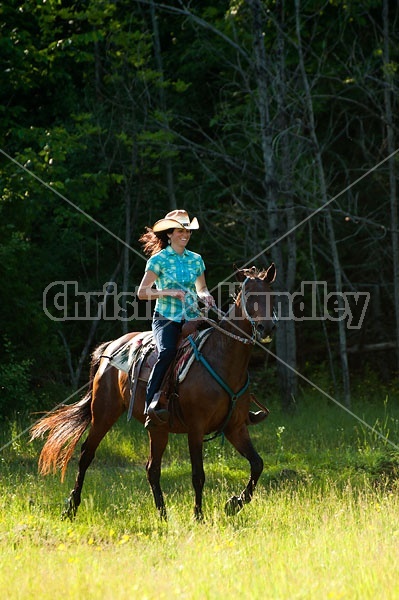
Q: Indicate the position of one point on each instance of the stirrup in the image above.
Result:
(159, 417)
(257, 417)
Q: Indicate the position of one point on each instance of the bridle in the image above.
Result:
(255, 333)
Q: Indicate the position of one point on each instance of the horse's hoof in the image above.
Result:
(198, 515)
(69, 511)
(233, 506)
(163, 514)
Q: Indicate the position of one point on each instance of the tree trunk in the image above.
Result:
(330, 226)
(319, 302)
(285, 334)
(388, 91)
(126, 251)
(158, 61)
(287, 343)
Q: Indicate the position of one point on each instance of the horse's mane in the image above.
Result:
(253, 272)
(250, 273)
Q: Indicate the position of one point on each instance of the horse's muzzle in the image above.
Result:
(264, 331)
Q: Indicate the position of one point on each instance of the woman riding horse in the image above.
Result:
(179, 277)
(213, 397)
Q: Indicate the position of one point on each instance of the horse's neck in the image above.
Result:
(236, 323)
(235, 353)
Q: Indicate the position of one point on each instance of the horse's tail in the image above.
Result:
(65, 426)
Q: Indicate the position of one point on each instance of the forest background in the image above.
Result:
(274, 122)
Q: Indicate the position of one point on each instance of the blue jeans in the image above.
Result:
(166, 336)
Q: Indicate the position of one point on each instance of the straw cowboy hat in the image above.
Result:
(176, 219)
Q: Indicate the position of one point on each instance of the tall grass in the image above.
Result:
(323, 522)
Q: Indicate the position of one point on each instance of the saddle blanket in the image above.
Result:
(186, 356)
(141, 350)
(125, 357)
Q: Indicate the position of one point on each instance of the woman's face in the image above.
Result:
(179, 238)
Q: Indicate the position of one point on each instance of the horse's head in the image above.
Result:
(256, 300)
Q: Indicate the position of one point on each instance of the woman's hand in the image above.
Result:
(203, 293)
(179, 294)
(207, 298)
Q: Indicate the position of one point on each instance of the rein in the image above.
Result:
(232, 335)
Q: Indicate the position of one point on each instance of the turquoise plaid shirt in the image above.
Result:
(176, 271)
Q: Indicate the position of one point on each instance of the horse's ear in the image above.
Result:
(270, 275)
(239, 273)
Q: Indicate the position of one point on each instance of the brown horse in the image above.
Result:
(207, 401)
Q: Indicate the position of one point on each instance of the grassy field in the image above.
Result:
(324, 522)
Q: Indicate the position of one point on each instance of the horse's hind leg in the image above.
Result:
(158, 443)
(73, 501)
(101, 424)
(242, 442)
(87, 454)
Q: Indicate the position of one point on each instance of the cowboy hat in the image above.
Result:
(176, 219)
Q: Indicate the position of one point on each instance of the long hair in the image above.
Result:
(154, 242)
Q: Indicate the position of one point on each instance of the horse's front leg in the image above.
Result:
(242, 442)
(158, 442)
(195, 444)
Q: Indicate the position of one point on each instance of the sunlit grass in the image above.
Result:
(324, 521)
(288, 544)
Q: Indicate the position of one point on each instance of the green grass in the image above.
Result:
(324, 521)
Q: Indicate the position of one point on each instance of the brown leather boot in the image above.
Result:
(157, 413)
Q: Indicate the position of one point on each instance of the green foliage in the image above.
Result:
(104, 129)
(15, 384)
